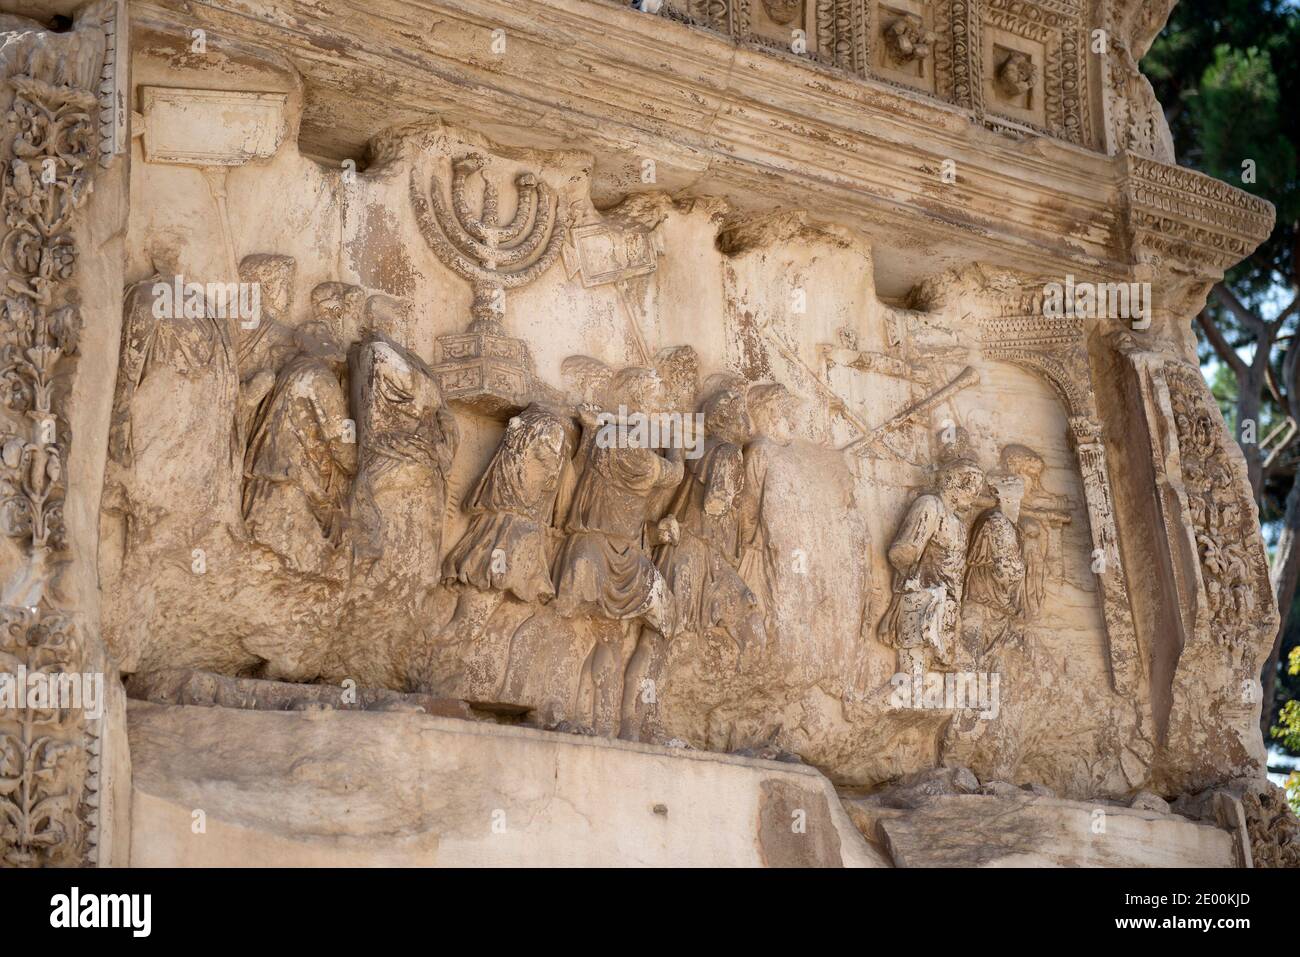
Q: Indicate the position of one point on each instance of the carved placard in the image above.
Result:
(602, 254)
(210, 127)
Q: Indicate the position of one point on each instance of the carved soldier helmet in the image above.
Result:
(955, 450)
(958, 469)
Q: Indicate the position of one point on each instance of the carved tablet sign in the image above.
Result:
(210, 127)
(605, 254)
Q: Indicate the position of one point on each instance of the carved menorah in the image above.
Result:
(491, 256)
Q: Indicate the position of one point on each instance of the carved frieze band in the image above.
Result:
(1019, 66)
(63, 123)
(1055, 350)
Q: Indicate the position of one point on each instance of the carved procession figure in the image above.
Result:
(994, 589)
(264, 342)
(929, 559)
(771, 408)
(506, 547)
(504, 555)
(174, 429)
(303, 451)
(602, 569)
(406, 438)
(700, 565)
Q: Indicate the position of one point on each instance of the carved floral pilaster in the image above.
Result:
(61, 126)
(1210, 525)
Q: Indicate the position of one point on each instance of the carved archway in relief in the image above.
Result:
(1055, 349)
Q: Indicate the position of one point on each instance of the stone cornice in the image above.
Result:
(758, 127)
(1189, 221)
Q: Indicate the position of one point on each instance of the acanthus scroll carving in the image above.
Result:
(1227, 615)
(52, 147)
(45, 760)
(1233, 567)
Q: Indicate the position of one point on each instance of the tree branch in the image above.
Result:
(1224, 296)
(1227, 355)
(1283, 444)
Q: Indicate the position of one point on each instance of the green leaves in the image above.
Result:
(1238, 112)
(1228, 74)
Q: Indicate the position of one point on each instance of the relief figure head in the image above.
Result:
(772, 410)
(274, 276)
(338, 305)
(1022, 461)
(726, 415)
(638, 389)
(1009, 490)
(1017, 74)
(959, 482)
(528, 463)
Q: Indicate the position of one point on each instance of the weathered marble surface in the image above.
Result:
(345, 788)
(393, 454)
(1004, 826)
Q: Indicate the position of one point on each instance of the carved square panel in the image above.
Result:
(1032, 60)
(774, 23)
(1013, 76)
(210, 127)
(904, 42)
(1044, 86)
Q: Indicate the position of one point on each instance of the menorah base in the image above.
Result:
(486, 372)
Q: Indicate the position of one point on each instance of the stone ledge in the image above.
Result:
(396, 789)
(978, 830)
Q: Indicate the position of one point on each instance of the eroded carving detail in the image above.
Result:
(1017, 74)
(1273, 829)
(906, 39)
(782, 11)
